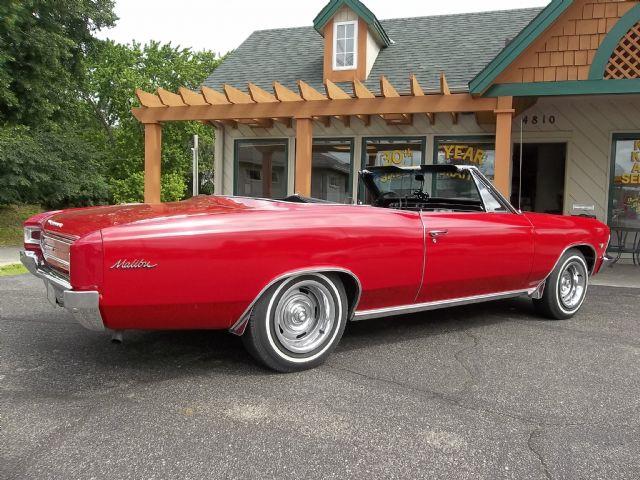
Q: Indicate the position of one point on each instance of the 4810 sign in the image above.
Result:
(544, 119)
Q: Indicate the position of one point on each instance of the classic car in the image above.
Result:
(288, 274)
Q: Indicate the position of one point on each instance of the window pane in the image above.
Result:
(403, 152)
(348, 60)
(478, 153)
(341, 31)
(340, 47)
(349, 45)
(331, 170)
(624, 201)
(350, 30)
(261, 169)
(340, 59)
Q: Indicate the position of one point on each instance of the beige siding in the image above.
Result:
(586, 124)
(345, 14)
(372, 52)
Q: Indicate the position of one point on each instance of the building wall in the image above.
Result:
(566, 50)
(585, 124)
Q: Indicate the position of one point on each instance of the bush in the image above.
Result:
(54, 168)
(131, 189)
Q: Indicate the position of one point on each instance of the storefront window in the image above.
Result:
(624, 198)
(401, 151)
(261, 168)
(477, 151)
(331, 169)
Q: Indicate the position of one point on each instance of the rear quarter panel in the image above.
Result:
(553, 234)
(210, 267)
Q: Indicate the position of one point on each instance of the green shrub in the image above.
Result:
(131, 189)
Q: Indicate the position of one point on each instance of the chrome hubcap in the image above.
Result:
(572, 284)
(304, 316)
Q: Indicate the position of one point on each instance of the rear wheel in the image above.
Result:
(297, 322)
(566, 287)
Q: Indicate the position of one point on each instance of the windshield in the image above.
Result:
(453, 184)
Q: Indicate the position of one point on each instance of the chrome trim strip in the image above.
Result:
(84, 306)
(421, 307)
(240, 325)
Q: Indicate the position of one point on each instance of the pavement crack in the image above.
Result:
(471, 374)
(534, 435)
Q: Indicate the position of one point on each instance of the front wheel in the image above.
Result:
(566, 287)
(297, 322)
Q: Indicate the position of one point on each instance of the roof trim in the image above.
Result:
(619, 30)
(527, 35)
(573, 87)
(360, 9)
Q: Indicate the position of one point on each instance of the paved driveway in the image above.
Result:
(487, 391)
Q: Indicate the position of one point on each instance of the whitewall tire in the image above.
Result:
(566, 288)
(297, 322)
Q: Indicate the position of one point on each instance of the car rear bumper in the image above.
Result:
(84, 306)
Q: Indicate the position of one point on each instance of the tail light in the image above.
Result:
(32, 235)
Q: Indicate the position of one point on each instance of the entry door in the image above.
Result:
(470, 254)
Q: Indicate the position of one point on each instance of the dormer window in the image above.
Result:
(345, 45)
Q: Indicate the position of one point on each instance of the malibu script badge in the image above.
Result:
(124, 264)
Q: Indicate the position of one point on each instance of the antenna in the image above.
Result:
(520, 166)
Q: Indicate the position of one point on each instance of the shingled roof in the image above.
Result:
(460, 45)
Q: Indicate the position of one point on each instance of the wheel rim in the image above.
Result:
(572, 284)
(304, 316)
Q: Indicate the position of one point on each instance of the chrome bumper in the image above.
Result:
(84, 306)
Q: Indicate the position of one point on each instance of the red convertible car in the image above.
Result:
(288, 274)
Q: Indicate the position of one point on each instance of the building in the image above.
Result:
(303, 109)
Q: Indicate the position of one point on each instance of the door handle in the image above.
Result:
(434, 234)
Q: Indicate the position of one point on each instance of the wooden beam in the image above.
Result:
(147, 99)
(309, 93)
(152, 162)
(386, 89)
(445, 90)
(261, 96)
(237, 96)
(170, 99)
(416, 91)
(456, 102)
(190, 97)
(334, 92)
(304, 144)
(284, 94)
(214, 97)
(326, 121)
(287, 122)
(360, 91)
(504, 116)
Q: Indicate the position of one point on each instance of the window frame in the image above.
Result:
(463, 139)
(352, 143)
(615, 137)
(335, 45)
(249, 141)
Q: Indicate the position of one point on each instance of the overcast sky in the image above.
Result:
(222, 26)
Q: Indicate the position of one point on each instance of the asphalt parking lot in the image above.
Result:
(488, 391)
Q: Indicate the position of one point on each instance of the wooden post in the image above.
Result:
(267, 172)
(304, 142)
(152, 157)
(504, 116)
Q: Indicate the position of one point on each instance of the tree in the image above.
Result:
(42, 48)
(113, 73)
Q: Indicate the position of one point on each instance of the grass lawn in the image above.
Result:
(11, 218)
(15, 269)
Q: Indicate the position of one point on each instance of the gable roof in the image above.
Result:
(539, 24)
(460, 45)
(359, 9)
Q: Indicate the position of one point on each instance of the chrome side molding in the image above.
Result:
(421, 307)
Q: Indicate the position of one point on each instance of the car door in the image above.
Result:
(475, 253)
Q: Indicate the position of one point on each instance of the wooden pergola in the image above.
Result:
(260, 108)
